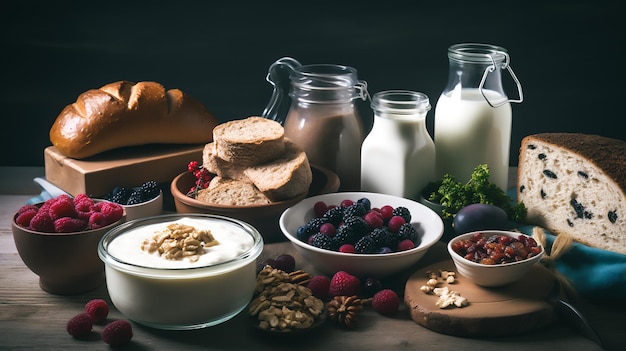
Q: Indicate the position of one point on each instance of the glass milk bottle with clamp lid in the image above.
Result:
(473, 113)
(398, 154)
(320, 115)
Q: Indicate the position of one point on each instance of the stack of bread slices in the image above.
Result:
(254, 164)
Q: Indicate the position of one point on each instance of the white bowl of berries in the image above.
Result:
(493, 258)
(364, 234)
(145, 200)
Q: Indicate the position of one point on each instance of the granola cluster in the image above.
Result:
(179, 241)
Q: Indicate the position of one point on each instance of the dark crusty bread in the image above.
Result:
(575, 184)
(250, 141)
(124, 114)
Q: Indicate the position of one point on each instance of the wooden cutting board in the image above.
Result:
(513, 309)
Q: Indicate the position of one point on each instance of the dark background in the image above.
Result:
(568, 55)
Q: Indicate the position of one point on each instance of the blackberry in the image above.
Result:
(366, 202)
(356, 209)
(402, 212)
(346, 235)
(150, 190)
(119, 195)
(311, 227)
(334, 215)
(407, 231)
(135, 197)
(359, 225)
(365, 245)
(382, 237)
(323, 242)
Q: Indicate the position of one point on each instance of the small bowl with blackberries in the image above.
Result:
(493, 258)
(365, 234)
(145, 200)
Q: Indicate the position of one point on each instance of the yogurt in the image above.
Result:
(181, 294)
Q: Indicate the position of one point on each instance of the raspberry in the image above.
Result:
(374, 219)
(23, 219)
(117, 332)
(328, 229)
(42, 222)
(320, 286)
(405, 244)
(320, 208)
(62, 206)
(386, 301)
(346, 248)
(112, 210)
(83, 203)
(387, 212)
(26, 208)
(343, 283)
(69, 225)
(98, 220)
(346, 203)
(80, 325)
(97, 309)
(395, 223)
(285, 263)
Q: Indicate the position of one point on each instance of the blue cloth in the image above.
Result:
(594, 273)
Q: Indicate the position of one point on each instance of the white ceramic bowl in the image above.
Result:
(153, 207)
(427, 223)
(178, 294)
(492, 275)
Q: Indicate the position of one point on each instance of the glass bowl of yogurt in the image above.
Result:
(181, 271)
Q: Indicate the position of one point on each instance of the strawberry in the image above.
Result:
(80, 325)
(117, 332)
(343, 283)
(97, 309)
(320, 286)
(386, 302)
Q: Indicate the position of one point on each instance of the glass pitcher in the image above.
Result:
(316, 105)
(473, 114)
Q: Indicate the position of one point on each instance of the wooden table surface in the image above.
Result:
(33, 319)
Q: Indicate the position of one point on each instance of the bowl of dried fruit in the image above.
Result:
(365, 234)
(58, 241)
(493, 258)
(181, 271)
(263, 216)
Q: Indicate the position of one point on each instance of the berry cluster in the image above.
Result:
(356, 227)
(496, 249)
(132, 196)
(96, 311)
(202, 175)
(65, 214)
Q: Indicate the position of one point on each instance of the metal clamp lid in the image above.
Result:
(505, 65)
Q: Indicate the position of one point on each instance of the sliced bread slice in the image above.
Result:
(250, 141)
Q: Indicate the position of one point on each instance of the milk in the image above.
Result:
(469, 132)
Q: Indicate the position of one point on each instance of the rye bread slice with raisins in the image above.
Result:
(575, 184)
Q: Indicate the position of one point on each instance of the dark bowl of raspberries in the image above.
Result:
(365, 234)
(58, 241)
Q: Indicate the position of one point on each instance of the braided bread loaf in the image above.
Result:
(127, 114)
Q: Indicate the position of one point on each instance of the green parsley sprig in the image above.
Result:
(454, 195)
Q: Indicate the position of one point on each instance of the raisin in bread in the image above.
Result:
(250, 141)
(575, 184)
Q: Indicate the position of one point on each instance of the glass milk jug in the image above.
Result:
(321, 115)
(398, 154)
(473, 114)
